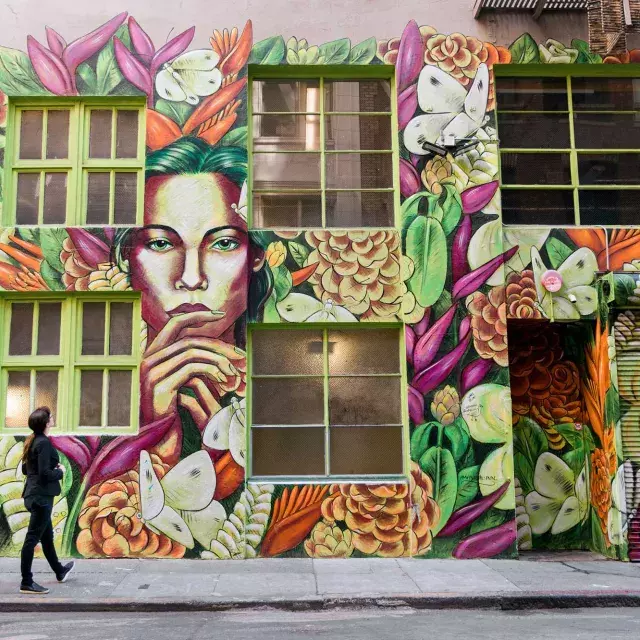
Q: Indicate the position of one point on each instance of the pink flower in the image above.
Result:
(3, 109)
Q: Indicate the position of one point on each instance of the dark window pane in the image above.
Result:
(533, 131)
(279, 401)
(28, 200)
(527, 206)
(288, 452)
(93, 323)
(610, 168)
(127, 134)
(365, 450)
(354, 96)
(532, 94)
(21, 331)
(364, 401)
(49, 317)
(606, 94)
(18, 398)
(364, 351)
(535, 168)
(120, 329)
(610, 207)
(47, 390)
(119, 409)
(359, 208)
(57, 134)
(284, 352)
(125, 198)
(359, 170)
(91, 398)
(286, 132)
(286, 170)
(30, 135)
(98, 198)
(297, 210)
(286, 96)
(55, 198)
(607, 131)
(351, 133)
(100, 134)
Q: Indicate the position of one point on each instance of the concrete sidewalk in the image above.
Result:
(571, 580)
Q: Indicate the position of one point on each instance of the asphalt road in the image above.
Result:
(344, 624)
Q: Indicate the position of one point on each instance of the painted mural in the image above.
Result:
(178, 488)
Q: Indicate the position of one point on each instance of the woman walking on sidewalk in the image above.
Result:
(42, 468)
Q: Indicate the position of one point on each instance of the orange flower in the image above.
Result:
(624, 245)
(601, 487)
(489, 324)
(26, 276)
(624, 58)
(597, 381)
(425, 510)
(233, 50)
(521, 296)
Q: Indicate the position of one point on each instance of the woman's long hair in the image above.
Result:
(38, 421)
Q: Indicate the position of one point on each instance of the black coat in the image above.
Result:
(43, 478)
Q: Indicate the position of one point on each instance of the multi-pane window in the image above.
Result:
(569, 150)
(75, 163)
(322, 153)
(326, 402)
(77, 356)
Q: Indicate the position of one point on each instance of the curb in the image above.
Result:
(504, 602)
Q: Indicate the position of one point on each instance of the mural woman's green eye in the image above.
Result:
(161, 245)
(225, 244)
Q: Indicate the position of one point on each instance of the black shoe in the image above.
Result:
(34, 588)
(66, 570)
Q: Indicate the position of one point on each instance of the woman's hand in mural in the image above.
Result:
(178, 357)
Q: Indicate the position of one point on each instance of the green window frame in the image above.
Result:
(69, 362)
(397, 430)
(577, 186)
(384, 197)
(46, 153)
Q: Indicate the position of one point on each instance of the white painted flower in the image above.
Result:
(189, 77)
(618, 517)
(227, 431)
(300, 307)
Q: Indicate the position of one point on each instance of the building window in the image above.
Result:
(75, 163)
(326, 402)
(322, 153)
(569, 150)
(75, 355)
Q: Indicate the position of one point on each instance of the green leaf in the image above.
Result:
(442, 304)
(335, 52)
(575, 437)
(271, 314)
(108, 75)
(282, 283)
(299, 252)
(30, 234)
(17, 76)
(124, 35)
(524, 471)
(439, 465)
(89, 84)
(67, 479)
(52, 277)
(467, 486)
(624, 287)
(427, 247)
(558, 251)
(611, 405)
(3, 141)
(524, 50)
(364, 52)
(492, 518)
(529, 439)
(458, 437)
(597, 536)
(235, 138)
(451, 206)
(51, 244)
(179, 112)
(420, 439)
(585, 56)
(575, 460)
(269, 51)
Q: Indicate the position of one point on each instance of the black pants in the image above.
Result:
(40, 530)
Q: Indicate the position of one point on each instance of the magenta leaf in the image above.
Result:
(55, 41)
(459, 248)
(140, 40)
(410, 340)
(474, 373)
(91, 249)
(93, 442)
(171, 50)
(427, 346)
(410, 55)
(416, 406)
(474, 280)
(83, 48)
(75, 450)
(477, 198)
(133, 70)
(421, 327)
(465, 325)
(407, 105)
(427, 380)
(409, 179)
(49, 68)
(487, 543)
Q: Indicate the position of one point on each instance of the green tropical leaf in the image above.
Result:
(624, 286)
(271, 314)
(439, 465)
(299, 252)
(524, 471)
(451, 206)
(52, 277)
(585, 56)
(30, 234)
(467, 486)
(3, 141)
(108, 75)
(427, 247)
(575, 437)
(51, 244)
(335, 52)
(558, 251)
(17, 76)
(524, 50)
(179, 112)
(89, 80)
(282, 283)
(420, 439)
(458, 437)
(364, 52)
(575, 460)
(67, 480)
(442, 304)
(269, 51)
(492, 518)
(235, 138)
(529, 439)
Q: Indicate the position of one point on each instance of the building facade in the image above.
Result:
(339, 281)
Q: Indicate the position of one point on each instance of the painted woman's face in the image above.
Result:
(193, 254)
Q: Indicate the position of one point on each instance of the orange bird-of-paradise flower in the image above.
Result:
(26, 276)
(624, 245)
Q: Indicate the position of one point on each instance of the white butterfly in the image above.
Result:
(448, 109)
(299, 307)
(181, 505)
(241, 207)
(227, 430)
(189, 77)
